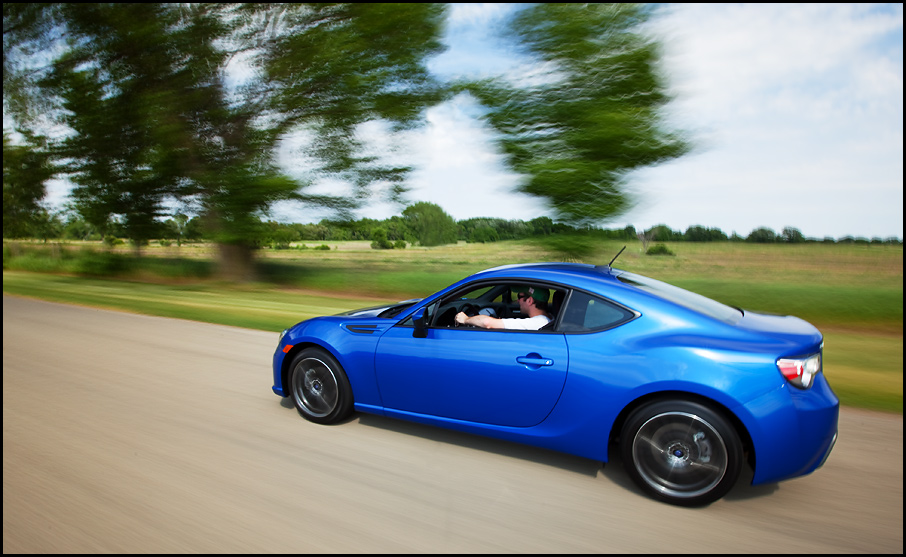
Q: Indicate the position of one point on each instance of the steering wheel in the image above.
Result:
(469, 310)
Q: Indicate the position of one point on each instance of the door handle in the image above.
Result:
(534, 361)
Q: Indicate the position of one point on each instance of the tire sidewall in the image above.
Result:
(344, 405)
(715, 419)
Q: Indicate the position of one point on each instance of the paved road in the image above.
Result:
(126, 433)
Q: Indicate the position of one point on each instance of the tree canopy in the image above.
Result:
(25, 169)
(430, 224)
(576, 131)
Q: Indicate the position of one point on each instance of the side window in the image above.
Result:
(494, 299)
(585, 312)
(475, 294)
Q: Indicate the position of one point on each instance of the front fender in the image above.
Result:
(351, 341)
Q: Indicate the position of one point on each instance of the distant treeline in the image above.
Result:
(398, 231)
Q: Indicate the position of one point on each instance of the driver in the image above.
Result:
(532, 302)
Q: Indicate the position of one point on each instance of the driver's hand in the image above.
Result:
(461, 318)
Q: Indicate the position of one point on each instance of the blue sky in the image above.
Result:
(796, 111)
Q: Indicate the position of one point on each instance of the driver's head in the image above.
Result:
(539, 295)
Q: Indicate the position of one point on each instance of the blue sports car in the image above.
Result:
(685, 388)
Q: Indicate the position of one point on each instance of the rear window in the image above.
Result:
(679, 296)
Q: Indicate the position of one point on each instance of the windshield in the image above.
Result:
(691, 300)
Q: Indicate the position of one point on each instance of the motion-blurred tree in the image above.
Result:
(26, 169)
(147, 92)
(28, 29)
(577, 131)
(110, 83)
(331, 67)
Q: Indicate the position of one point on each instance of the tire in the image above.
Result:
(319, 387)
(681, 452)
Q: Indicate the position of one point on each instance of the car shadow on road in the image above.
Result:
(744, 490)
(612, 471)
(479, 443)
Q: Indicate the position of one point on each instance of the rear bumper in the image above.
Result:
(794, 432)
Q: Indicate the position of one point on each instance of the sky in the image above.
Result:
(795, 112)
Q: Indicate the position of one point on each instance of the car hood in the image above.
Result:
(385, 310)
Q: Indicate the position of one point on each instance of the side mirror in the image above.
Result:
(421, 326)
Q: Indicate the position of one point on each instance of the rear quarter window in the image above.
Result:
(585, 313)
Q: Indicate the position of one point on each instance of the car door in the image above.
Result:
(505, 378)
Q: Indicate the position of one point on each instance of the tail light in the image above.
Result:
(800, 372)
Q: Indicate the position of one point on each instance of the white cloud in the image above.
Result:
(799, 112)
(460, 169)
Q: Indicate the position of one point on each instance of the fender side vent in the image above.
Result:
(361, 329)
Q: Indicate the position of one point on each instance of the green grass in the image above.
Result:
(854, 294)
(874, 308)
(865, 371)
(253, 307)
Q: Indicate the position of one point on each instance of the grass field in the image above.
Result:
(853, 293)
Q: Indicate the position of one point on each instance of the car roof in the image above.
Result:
(571, 274)
(580, 269)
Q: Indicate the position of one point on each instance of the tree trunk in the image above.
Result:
(236, 262)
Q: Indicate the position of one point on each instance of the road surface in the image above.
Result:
(125, 433)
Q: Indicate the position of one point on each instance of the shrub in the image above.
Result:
(111, 240)
(659, 249)
(379, 239)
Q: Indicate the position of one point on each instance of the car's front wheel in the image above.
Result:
(681, 452)
(319, 386)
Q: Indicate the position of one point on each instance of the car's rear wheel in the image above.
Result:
(681, 452)
(319, 386)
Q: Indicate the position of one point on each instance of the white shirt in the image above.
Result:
(527, 323)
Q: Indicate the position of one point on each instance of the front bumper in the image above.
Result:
(279, 356)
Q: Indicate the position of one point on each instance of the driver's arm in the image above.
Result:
(483, 321)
